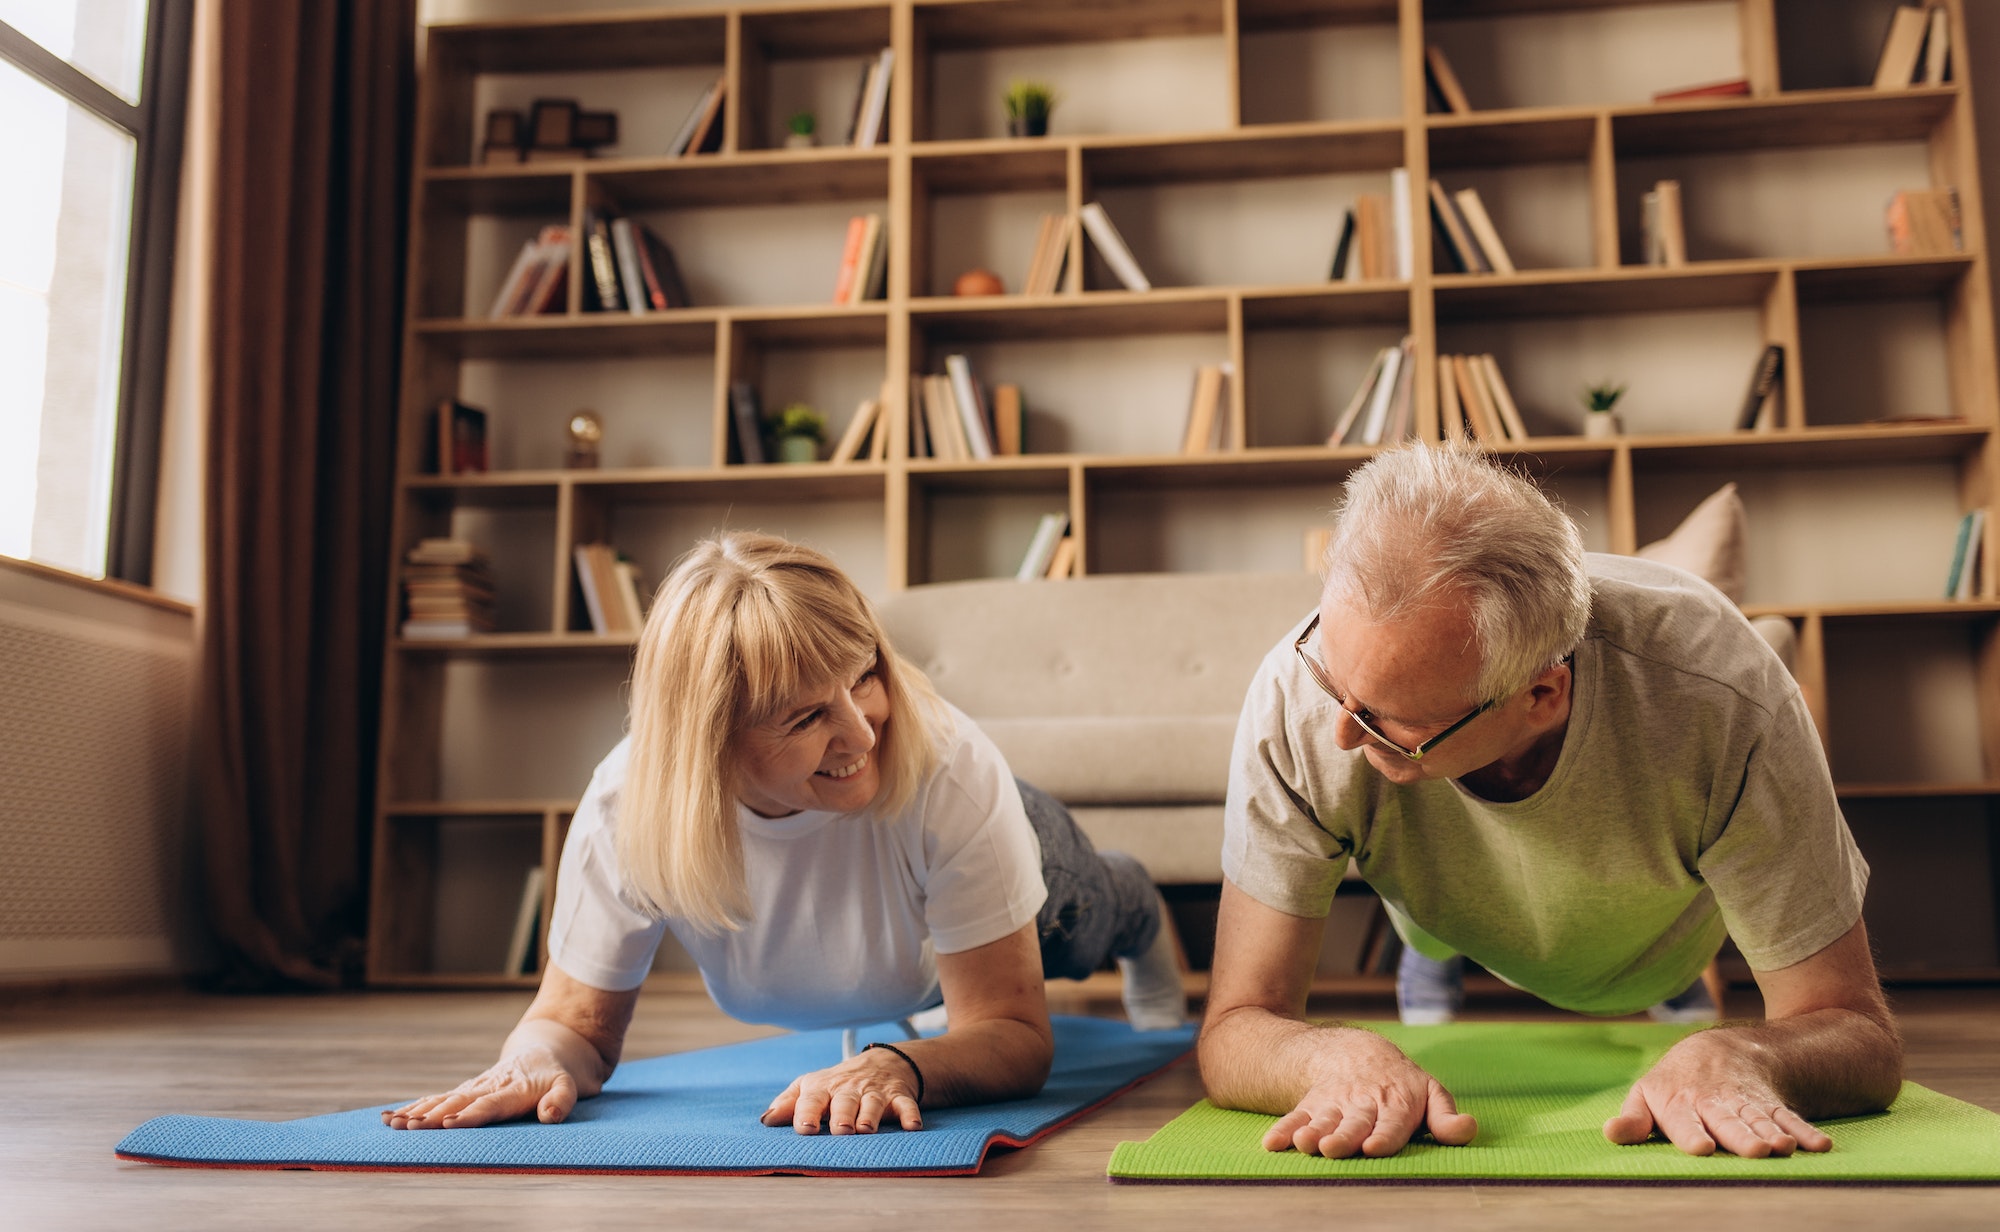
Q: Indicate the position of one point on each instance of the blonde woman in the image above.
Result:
(835, 846)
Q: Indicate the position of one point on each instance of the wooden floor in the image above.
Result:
(77, 1072)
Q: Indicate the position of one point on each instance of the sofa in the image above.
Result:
(1116, 694)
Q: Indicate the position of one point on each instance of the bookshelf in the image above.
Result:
(1225, 137)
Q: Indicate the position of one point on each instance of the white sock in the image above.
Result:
(1153, 995)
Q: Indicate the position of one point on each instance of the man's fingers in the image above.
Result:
(1634, 1122)
(560, 1100)
(1804, 1132)
(1394, 1123)
(1447, 1124)
(1683, 1127)
(1279, 1136)
(1356, 1126)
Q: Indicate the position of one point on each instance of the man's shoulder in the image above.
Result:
(1668, 619)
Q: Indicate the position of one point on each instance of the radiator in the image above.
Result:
(95, 716)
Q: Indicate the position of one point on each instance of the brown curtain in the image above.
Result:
(311, 202)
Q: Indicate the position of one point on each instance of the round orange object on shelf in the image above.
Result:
(978, 282)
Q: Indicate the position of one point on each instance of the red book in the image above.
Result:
(850, 258)
(1736, 88)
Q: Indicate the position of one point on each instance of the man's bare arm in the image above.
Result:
(1828, 1047)
(1337, 1091)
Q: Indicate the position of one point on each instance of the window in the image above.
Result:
(92, 98)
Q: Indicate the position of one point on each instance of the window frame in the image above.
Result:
(157, 125)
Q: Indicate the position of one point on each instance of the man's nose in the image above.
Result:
(1346, 732)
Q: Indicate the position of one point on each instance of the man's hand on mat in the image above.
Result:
(1369, 1099)
(531, 1081)
(1709, 1091)
(850, 1098)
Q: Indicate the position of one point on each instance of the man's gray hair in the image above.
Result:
(1428, 525)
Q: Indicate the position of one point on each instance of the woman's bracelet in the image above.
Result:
(912, 1064)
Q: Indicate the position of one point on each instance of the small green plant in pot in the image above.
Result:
(1028, 106)
(799, 130)
(799, 430)
(1600, 417)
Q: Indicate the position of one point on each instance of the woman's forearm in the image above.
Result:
(983, 1062)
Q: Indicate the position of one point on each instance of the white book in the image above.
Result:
(625, 248)
(965, 394)
(868, 133)
(1042, 548)
(1112, 245)
(1937, 47)
(527, 918)
(594, 603)
(1352, 415)
(526, 265)
(1399, 219)
(1385, 391)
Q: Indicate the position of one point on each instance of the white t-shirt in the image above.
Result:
(847, 912)
(1691, 797)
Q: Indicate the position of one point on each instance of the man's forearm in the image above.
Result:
(1257, 1061)
(1829, 1063)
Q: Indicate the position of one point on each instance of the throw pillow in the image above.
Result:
(1708, 543)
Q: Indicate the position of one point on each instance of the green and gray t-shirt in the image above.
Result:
(1691, 799)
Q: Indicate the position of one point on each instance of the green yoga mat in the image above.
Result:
(1542, 1093)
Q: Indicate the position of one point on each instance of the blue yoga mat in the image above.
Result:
(691, 1113)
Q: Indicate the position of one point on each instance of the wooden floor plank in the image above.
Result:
(77, 1072)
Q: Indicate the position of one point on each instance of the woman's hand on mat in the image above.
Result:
(529, 1081)
(1709, 1091)
(1369, 1099)
(851, 1097)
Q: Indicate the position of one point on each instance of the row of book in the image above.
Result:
(1916, 48)
(1924, 222)
(1473, 402)
(953, 419)
(611, 589)
(864, 261)
(868, 122)
(447, 590)
(1052, 551)
(1375, 242)
(1209, 428)
(627, 267)
(1054, 237)
(456, 442)
(1465, 232)
(701, 131)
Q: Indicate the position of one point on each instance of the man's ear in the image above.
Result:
(1550, 687)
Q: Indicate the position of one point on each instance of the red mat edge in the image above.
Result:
(997, 1139)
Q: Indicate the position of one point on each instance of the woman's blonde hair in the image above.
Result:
(744, 625)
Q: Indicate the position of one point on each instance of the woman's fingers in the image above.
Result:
(907, 1113)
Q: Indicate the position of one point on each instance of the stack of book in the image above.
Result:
(1924, 223)
(952, 418)
(867, 434)
(1375, 242)
(1916, 50)
(1207, 429)
(1474, 401)
(868, 125)
(1465, 232)
(538, 279)
(1662, 233)
(447, 590)
(1051, 256)
(628, 267)
(864, 261)
(610, 585)
(1382, 409)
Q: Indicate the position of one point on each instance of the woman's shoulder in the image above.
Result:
(599, 804)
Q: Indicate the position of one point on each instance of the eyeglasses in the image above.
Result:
(1361, 718)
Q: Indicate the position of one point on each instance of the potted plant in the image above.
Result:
(799, 130)
(1028, 106)
(799, 430)
(1600, 419)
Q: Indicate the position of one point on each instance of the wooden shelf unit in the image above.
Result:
(1232, 208)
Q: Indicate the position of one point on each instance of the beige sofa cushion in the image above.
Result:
(1158, 759)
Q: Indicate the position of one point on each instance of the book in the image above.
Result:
(1459, 245)
(1204, 411)
(850, 259)
(521, 956)
(874, 268)
(1344, 427)
(1672, 231)
(1105, 235)
(1045, 276)
(966, 397)
(460, 444)
(1062, 562)
(1399, 224)
(1735, 87)
(1937, 47)
(1383, 393)
(1924, 222)
(1486, 426)
(551, 290)
(660, 272)
(878, 441)
(1371, 227)
(942, 419)
(625, 248)
(706, 138)
(521, 276)
(1962, 581)
(1009, 420)
(1902, 47)
(874, 117)
(748, 416)
(1042, 547)
(858, 428)
(600, 282)
(629, 603)
(1480, 224)
(1396, 425)
(1443, 82)
(1045, 235)
(1451, 413)
(595, 596)
(1502, 398)
(869, 68)
(1765, 379)
(695, 115)
(1343, 248)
